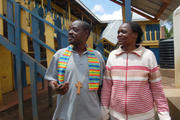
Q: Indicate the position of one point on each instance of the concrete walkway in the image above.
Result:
(171, 92)
(46, 112)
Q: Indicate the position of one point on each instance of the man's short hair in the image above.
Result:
(86, 26)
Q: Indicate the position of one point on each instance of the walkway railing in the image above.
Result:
(17, 41)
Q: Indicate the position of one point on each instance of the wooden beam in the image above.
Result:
(59, 9)
(136, 11)
(69, 12)
(123, 11)
(82, 13)
(123, 14)
(166, 1)
(117, 2)
(144, 15)
(162, 8)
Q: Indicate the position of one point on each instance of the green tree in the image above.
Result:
(167, 33)
(169, 21)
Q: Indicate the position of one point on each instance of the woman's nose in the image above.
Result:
(120, 34)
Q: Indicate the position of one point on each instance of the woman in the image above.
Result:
(132, 87)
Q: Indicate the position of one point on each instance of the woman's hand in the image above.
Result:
(59, 89)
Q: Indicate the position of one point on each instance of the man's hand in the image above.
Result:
(59, 89)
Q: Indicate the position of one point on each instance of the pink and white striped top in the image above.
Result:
(132, 87)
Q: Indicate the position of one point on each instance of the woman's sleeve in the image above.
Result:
(157, 90)
(106, 91)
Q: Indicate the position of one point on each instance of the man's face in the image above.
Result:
(76, 35)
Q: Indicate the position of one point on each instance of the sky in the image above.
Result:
(107, 10)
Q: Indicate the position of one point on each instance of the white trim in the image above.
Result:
(142, 116)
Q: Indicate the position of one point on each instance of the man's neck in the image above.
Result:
(80, 49)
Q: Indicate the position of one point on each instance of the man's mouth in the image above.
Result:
(71, 37)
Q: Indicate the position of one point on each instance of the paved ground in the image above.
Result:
(45, 112)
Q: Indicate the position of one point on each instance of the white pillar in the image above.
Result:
(176, 27)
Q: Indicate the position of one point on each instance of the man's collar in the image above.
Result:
(138, 51)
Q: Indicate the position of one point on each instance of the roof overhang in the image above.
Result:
(78, 9)
(152, 9)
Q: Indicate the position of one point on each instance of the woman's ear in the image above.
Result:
(135, 35)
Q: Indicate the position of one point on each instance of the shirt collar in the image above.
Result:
(138, 51)
(85, 52)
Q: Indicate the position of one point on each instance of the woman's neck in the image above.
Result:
(129, 48)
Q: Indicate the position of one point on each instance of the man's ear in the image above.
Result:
(87, 33)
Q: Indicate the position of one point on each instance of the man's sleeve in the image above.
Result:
(51, 72)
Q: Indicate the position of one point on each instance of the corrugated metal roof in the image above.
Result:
(110, 32)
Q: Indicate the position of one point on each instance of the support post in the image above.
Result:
(1, 96)
(49, 34)
(128, 14)
(48, 5)
(1, 20)
(1, 33)
(18, 60)
(10, 16)
(34, 91)
(58, 24)
(69, 12)
(35, 33)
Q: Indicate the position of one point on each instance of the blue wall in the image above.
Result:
(156, 53)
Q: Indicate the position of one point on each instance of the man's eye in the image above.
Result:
(75, 29)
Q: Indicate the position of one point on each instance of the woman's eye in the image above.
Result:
(123, 31)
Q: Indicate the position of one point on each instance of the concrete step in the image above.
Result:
(173, 96)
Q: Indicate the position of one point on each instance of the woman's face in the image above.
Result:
(126, 37)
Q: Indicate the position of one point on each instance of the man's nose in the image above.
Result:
(70, 31)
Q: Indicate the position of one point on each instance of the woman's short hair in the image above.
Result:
(135, 27)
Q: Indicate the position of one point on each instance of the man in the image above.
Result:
(75, 74)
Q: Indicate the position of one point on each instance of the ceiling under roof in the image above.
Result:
(78, 9)
(152, 9)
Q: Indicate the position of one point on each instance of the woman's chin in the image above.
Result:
(121, 43)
